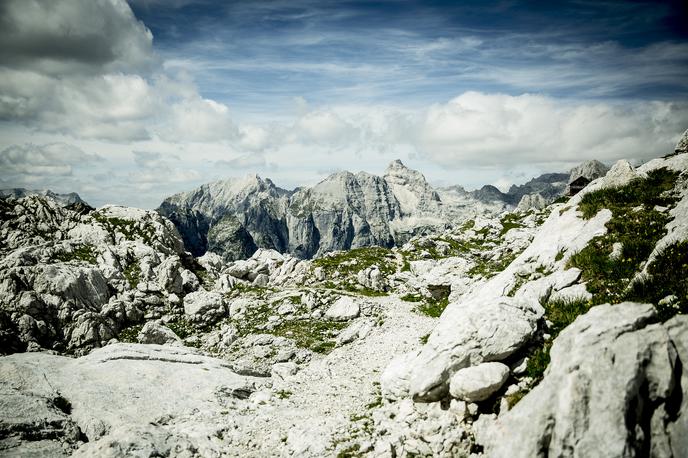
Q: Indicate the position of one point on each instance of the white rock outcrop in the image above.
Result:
(616, 386)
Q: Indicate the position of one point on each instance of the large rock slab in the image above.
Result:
(127, 399)
(616, 386)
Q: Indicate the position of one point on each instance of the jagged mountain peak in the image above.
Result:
(399, 173)
(589, 169)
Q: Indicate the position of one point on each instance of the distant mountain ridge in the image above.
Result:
(64, 199)
(346, 210)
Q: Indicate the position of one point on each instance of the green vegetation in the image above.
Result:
(130, 229)
(352, 451)
(129, 334)
(352, 261)
(314, 335)
(411, 298)
(84, 253)
(488, 268)
(635, 224)
(433, 307)
(424, 339)
(510, 221)
(668, 275)
(513, 399)
(648, 191)
(242, 289)
(181, 327)
(520, 281)
(283, 394)
(560, 255)
(561, 313)
(133, 273)
(468, 225)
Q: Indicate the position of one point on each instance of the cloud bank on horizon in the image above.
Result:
(129, 102)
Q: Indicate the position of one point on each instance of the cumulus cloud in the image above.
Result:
(158, 171)
(73, 36)
(86, 68)
(29, 160)
(497, 129)
(198, 119)
(323, 127)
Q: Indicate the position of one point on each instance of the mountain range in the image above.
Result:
(234, 217)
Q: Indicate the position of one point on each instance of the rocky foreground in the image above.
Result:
(542, 332)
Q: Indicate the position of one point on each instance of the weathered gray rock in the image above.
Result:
(127, 399)
(530, 201)
(344, 308)
(205, 306)
(615, 387)
(170, 275)
(477, 383)
(154, 332)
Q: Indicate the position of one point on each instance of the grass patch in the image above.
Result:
(129, 334)
(314, 335)
(411, 298)
(668, 275)
(489, 268)
(181, 327)
(513, 399)
(130, 229)
(433, 307)
(352, 261)
(510, 221)
(85, 253)
(283, 394)
(133, 274)
(538, 361)
(560, 255)
(424, 339)
(649, 191)
(563, 312)
(634, 223)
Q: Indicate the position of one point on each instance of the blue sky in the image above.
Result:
(160, 96)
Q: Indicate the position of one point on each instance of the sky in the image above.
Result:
(128, 102)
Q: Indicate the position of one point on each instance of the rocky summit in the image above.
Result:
(365, 316)
(235, 217)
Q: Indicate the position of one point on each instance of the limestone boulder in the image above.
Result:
(615, 386)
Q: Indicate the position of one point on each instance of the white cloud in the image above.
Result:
(198, 119)
(496, 129)
(323, 127)
(57, 159)
(73, 36)
(86, 68)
